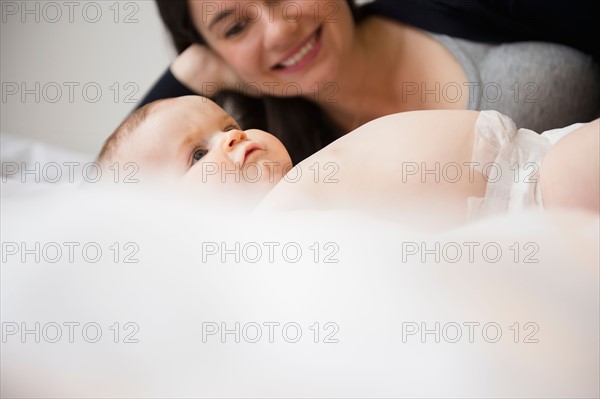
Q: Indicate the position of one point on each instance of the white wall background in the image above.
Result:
(47, 45)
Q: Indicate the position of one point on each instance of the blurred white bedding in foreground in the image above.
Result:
(108, 293)
(33, 165)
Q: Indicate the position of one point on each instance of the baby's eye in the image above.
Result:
(198, 154)
(236, 29)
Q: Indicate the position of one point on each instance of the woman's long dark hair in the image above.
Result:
(300, 124)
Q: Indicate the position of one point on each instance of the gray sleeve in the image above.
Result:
(540, 85)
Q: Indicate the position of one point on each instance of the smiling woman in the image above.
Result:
(311, 71)
(279, 43)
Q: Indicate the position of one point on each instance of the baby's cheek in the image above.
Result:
(212, 172)
(200, 173)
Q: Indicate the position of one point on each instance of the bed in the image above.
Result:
(138, 293)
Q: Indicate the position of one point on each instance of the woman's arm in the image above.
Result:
(166, 87)
(197, 70)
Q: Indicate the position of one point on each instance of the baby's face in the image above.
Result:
(193, 139)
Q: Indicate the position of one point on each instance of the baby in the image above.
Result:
(193, 141)
(451, 165)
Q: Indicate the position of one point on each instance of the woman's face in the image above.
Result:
(282, 47)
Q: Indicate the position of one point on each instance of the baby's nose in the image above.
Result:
(232, 138)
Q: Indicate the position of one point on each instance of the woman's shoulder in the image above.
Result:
(541, 62)
(541, 85)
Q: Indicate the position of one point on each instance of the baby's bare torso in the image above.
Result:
(403, 166)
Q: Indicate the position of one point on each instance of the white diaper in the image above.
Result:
(510, 161)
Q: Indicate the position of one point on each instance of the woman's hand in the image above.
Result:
(204, 71)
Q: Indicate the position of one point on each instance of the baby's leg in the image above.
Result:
(570, 175)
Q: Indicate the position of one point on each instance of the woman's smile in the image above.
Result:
(301, 55)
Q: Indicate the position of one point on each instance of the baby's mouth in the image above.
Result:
(250, 150)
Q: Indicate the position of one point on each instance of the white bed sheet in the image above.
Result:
(42, 161)
(175, 287)
(370, 294)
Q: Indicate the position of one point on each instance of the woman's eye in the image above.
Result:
(235, 29)
(198, 154)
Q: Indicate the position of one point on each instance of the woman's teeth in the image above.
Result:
(296, 58)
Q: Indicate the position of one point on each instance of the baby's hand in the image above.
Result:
(204, 71)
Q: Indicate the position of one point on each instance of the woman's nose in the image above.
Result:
(232, 138)
(280, 34)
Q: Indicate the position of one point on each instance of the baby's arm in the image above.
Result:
(570, 172)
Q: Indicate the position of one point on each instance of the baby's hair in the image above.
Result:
(125, 129)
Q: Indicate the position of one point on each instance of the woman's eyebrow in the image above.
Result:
(221, 15)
